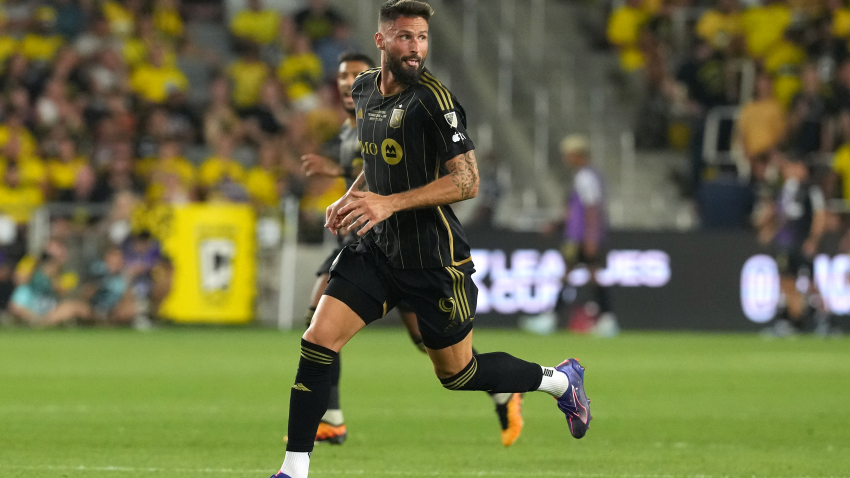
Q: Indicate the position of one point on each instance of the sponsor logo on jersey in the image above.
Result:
(458, 137)
(396, 117)
(391, 151)
(451, 118)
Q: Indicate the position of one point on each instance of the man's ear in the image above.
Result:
(379, 40)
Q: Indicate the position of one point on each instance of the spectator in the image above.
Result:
(761, 125)
(68, 173)
(18, 199)
(118, 176)
(765, 25)
(256, 24)
(248, 74)
(9, 45)
(301, 73)
(809, 130)
(171, 176)
(261, 181)
(624, 27)
(317, 20)
(109, 291)
(155, 81)
(97, 38)
(221, 166)
(220, 118)
(141, 256)
(41, 44)
(720, 26)
(783, 61)
(121, 16)
(41, 298)
(270, 117)
(166, 19)
(329, 49)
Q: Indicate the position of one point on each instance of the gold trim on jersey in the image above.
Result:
(366, 72)
(459, 284)
(385, 309)
(449, 230)
(428, 79)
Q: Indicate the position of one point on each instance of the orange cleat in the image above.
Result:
(515, 423)
(328, 433)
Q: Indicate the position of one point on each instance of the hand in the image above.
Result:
(810, 247)
(332, 213)
(313, 164)
(366, 209)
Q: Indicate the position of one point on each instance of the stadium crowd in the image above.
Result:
(98, 112)
(778, 71)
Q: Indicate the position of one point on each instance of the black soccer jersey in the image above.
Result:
(344, 149)
(405, 140)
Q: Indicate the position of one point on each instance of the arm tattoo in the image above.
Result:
(464, 173)
(363, 186)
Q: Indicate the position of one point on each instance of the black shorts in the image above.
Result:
(792, 262)
(444, 299)
(344, 241)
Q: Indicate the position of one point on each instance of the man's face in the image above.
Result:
(405, 42)
(348, 71)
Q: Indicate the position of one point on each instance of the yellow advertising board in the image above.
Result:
(212, 250)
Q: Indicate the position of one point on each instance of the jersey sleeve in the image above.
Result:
(448, 128)
(588, 188)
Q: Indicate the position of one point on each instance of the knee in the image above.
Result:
(459, 379)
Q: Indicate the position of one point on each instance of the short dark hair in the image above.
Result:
(357, 56)
(392, 10)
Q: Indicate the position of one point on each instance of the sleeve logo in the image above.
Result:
(451, 118)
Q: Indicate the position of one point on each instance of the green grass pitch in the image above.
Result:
(212, 403)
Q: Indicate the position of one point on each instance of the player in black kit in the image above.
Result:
(349, 164)
(418, 159)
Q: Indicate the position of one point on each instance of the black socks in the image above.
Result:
(496, 372)
(309, 395)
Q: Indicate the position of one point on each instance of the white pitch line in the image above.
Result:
(231, 471)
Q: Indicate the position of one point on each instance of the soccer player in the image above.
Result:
(794, 221)
(418, 159)
(348, 165)
(586, 224)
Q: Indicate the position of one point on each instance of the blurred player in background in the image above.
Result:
(793, 223)
(344, 160)
(418, 159)
(586, 223)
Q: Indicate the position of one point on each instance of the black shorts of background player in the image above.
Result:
(344, 147)
(418, 159)
(794, 221)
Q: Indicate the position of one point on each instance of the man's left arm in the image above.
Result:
(460, 184)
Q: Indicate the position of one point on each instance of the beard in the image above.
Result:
(402, 74)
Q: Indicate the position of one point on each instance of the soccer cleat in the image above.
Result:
(328, 433)
(574, 402)
(280, 475)
(514, 420)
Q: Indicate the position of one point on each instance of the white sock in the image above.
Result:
(501, 398)
(333, 417)
(296, 464)
(554, 383)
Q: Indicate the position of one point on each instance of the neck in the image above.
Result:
(353, 118)
(389, 86)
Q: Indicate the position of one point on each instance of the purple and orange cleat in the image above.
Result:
(574, 402)
(280, 475)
